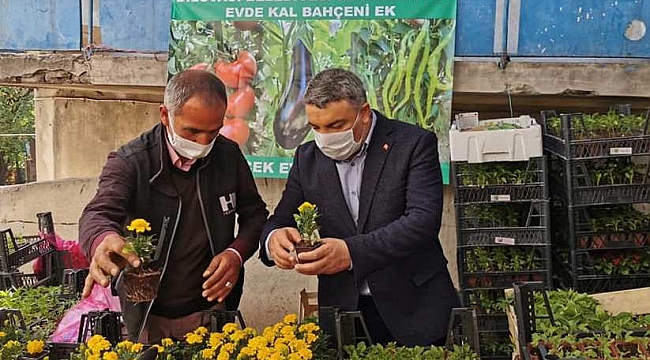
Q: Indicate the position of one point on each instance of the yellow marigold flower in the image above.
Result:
(276, 356)
(250, 331)
(291, 319)
(192, 338)
(280, 341)
(229, 347)
(160, 348)
(207, 353)
(282, 349)
(12, 344)
(247, 351)
(264, 353)
(305, 354)
(136, 348)
(94, 357)
(294, 356)
(306, 206)
(35, 347)
(139, 226)
(287, 330)
(201, 330)
(216, 340)
(167, 342)
(308, 327)
(238, 336)
(94, 340)
(111, 355)
(311, 338)
(297, 345)
(257, 342)
(126, 345)
(223, 355)
(2, 334)
(230, 328)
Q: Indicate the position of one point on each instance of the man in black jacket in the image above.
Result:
(378, 187)
(183, 170)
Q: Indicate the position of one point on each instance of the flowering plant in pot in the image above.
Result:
(141, 283)
(307, 227)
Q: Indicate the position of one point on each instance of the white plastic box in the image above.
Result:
(471, 142)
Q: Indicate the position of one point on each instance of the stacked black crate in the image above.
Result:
(601, 187)
(503, 227)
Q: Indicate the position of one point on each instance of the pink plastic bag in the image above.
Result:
(73, 257)
(99, 299)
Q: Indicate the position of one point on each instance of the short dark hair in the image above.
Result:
(184, 85)
(334, 85)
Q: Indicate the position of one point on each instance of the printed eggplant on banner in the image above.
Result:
(266, 51)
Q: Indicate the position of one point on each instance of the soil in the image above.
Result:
(141, 284)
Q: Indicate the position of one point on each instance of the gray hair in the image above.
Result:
(183, 86)
(333, 85)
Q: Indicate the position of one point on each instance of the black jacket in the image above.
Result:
(135, 183)
(395, 247)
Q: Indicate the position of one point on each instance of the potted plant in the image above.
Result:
(307, 227)
(141, 283)
(635, 224)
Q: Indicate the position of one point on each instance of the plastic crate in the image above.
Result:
(105, 323)
(579, 272)
(484, 301)
(523, 181)
(502, 216)
(492, 323)
(572, 140)
(571, 180)
(501, 260)
(73, 282)
(479, 146)
(17, 279)
(491, 340)
(15, 252)
(532, 225)
(504, 236)
(463, 329)
(61, 351)
(501, 279)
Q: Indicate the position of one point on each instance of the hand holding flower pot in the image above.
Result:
(141, 283)
(307, 227)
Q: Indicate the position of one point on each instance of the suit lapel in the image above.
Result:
(329, 176)
(380, 146)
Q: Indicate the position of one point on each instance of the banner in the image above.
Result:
(266, 51)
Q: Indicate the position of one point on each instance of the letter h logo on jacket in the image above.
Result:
(228, 203)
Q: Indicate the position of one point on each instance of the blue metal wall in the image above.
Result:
(475, 27)
(579, 28)
(141, 25)
(39, 24)
(583, 28)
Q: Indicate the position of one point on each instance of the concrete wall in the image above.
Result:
(269, 293)
(75, 130)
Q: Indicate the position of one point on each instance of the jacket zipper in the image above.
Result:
(205, 219)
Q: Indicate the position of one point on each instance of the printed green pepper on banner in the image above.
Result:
(266, 51)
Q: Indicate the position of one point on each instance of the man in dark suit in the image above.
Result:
(378, 187)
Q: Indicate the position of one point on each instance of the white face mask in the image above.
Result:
(186, 148)
(339, 145)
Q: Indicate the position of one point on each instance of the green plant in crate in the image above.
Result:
(483, 259)
(554, 126)
(41, 306)
(500, 259)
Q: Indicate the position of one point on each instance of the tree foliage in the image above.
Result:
(16, 117)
